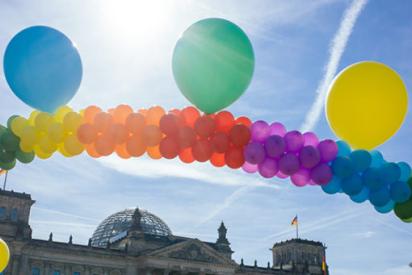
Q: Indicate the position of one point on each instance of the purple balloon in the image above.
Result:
(268, 168)
(294, 141)
(289, 164)
(249, 168)
(277, 128)
(301, 177)
(309, 157)
(274, 146)
(321, 174)
(281, 175)
(260, 130)
(254, 152)
(328, 150)
(310, 139)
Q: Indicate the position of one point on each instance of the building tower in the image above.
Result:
(14, 215)
(222, 243)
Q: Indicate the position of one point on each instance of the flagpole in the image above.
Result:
(297, 228)
(5, 180)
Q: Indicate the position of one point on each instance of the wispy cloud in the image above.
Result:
(336, 51)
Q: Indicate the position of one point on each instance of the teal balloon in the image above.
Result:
(332, 187)
(343, 148)
(405, 171)
(389, 172)
(380, 197)
(352, 185)
(42, 67)
(362, 196)
(361, 160)
(400, 191)
(343, 167)
(377, 159)
(388, 207)
(213, 64)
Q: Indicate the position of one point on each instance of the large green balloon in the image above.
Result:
(213, 64)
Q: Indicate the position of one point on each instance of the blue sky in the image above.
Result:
(126, 49)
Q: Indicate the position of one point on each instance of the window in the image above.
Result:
(2, 213)
(35, 271)
(76, 273)
(56, 272)
(13, 215)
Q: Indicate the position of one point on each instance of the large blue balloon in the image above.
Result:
(42, 67)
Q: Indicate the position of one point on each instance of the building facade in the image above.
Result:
(134, 242)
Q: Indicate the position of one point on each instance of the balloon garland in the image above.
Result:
(221, 139)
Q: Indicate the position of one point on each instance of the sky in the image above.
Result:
(126, 49)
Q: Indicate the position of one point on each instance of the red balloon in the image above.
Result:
(202, 150)
(135, 123)
(234, 157)
(104, 145)
(218, 160)
(135, 146)
(102, 121)
(118, 132)
(205, 126)
(169, 148)
(244, 121)
(224, 121)
(186, 155)
(151, 135)
(86, 133)
(220, 142)
(239, 135)
(190, 115)
(186, 137)
(170, 124)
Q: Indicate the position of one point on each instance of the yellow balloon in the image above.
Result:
(46, 145)
(4, 255)
(18, 124)
(40, 154)
(73, 146)
(61, 112)
(71, 122)
(55, 132)
(367, 104)
(32, 117)
(42, 121)
(29, 136)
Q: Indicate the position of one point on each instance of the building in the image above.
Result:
(135, 241)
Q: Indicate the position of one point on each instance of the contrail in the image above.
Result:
(337, 47)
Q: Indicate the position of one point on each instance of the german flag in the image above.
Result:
(294, 221)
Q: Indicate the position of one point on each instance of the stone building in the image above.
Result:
(135, 241)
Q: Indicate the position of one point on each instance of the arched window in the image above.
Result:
(13, 215)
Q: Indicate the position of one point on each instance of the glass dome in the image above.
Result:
(116, 226)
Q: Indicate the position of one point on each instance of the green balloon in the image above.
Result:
(9, 141)
(10, 120)
(6, 156)
(7, 165)
(2, 130)
(24, 157)
(213, 64)
(404, 210)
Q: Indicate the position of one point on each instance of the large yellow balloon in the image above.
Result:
(366, 104)
(4, 255)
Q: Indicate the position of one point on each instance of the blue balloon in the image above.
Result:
(362, 196)
(389, 172)
(343, 148)
(361, 160)
(333, 186)
(380, 197)
(405, 171)
(377, 159)
(400, 191)
(371, 179)
(352, 185)
(386, 208)
(342, 167)
(42, 67)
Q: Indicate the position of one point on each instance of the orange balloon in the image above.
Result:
(186, 155)
(122, 152)
(135, 146)
(152, 135)
(91, 150)
(90, 112)
(143, 112)
(86, 133)
(102, 121)
(121, 112)
(243, 120)
(104, 145)
(218, 159)
(118, 133)
(135, 123)
(190, 115)
(154, 114)
(154, 152)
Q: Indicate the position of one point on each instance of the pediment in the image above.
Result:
(193, 250)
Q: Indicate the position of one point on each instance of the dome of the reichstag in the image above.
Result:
(118, 224)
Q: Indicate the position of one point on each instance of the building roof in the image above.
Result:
(15, 194)
(298, 241)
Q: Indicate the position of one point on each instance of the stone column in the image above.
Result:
(24, 266)
(46, 268)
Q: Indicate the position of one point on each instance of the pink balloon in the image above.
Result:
(293, 141)
(249, 168)
(281, 175)
(260, 130)
(321, 174)
(328, 150)
(277, 128)
(310, 139)
(301, 177)
(268, 168)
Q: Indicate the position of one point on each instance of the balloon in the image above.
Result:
(366, 104)
(400, 192)
(154, 152)
(46, 145)
(343, 149)
(87, 133)
(389, 172)
(293, 141)
(135, 123)
(343, 167)
(321, 174)
(151, 135)
(234, 158)
(328, 150)
(169, 124)
(202, 150)
(24, 157)
(239, 135)
(289, 164)
(186, 155)
(154, 114)
(28, 137)
(309, 157)
(377, 159)
(4, 255)
(371, 178)
(277, 128)
(118, 133)
(275, 146)
(218, 159)
(213, 64)
(333, 186)
(71, 122)
(361, 160)
(9, 141)
(250, 168)
(91, 150)
(405, 171)
(56, 132)
(352, 185)
(104, 145)
(42, 67)
(205, 126)
(404, 210)
(186, 137)
(90, 113)
(310, 139)
(40, 154)
(380, 197)
(220, 142)
(102, 121)
(122, 152)
(7, 165)
(224, 121)
(169, 148)
(17, 125)
(190, 115)
(254, 153)
(301, 177)
(6, 156)
(73, 146)
(243, 121)
(386, 208)
(260, 131)
(362, 196)
(135, 146)
(43, 121)
(268, 168)
(121, 113)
